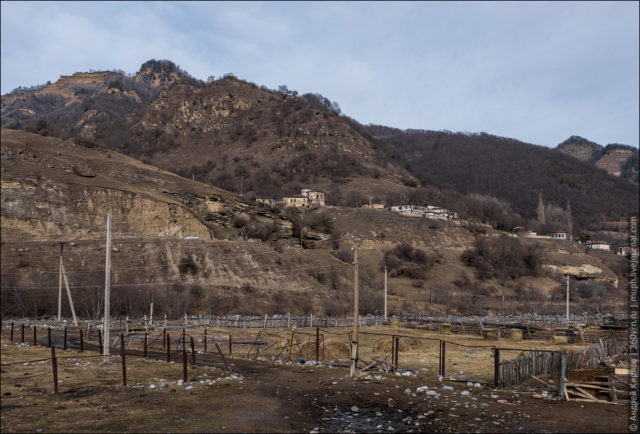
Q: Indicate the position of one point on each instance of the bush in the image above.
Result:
(505, 257)
(405, 260)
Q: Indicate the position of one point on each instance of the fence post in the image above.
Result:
(393, 352)
(48, 336)
(100, 340)
(184, 363)
(35, 342)
(81, 342)
(193, 354)
(563, 370)
(444, 359)
(124, 363)
(54, 365)
(496, 371)
(168, 348)
(11, 335)
(222, 355)
(22, 334)
(65, 338)
(145, 346)
(230, 347)
(396, 348)
(164, 336)
(317, 344)
(205, 340)
(440, 358)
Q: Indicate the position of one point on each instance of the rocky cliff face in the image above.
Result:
(615, 158)
(580, 148)
(618, 160)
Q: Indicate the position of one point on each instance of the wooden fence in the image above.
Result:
(527, 364)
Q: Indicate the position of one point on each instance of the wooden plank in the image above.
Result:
(585, 392)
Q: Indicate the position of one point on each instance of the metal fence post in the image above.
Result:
(317, 344)
(81, 342)
(49, 337)
(145, 346)
(184, 363)
(35, 342)
(11, 335)
(124, 363)
(54, 365)
(444, 359)
(230, 345)
(496, 373)
(193, 353)
(168, 348)
(205, 340)
(65, 338)
(22, 334)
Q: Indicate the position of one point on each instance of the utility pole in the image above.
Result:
(60, 283)
(356, 307)
(66, 284)
(107, 291)
(567, 297)
(385, 287)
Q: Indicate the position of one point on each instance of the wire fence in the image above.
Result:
(380, 351)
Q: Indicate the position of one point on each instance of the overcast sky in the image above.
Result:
(535, 71)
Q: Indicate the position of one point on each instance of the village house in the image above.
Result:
(428, 211)
(559, 235)
(373, 205)
(296, 200)
(267, 201)
(599, 245)
(625, 250)
(315, 197)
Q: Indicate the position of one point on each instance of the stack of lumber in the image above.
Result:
(611, 389)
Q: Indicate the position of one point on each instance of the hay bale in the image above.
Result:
(291, 339)
(491, 333)
(516, 334)
(412, 344)
(557, 340)
(308, 351)
(334, 350)
(445, 328)
(384, 346)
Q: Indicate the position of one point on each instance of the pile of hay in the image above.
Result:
(516, 334)
(412, 344)
(291, 339)
(558, 340)
(445, 328)
(334, 350)
(385, 345)
(308, 351)
(491, 333)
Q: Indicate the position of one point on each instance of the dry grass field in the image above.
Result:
(272, 397)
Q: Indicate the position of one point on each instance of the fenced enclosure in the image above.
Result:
(412, 352)
(530, 363)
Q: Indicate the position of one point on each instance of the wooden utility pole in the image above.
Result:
(153, 298)
(66, 284)
(60, 283)
(385, 286)
(567, 297)
(356, 307)
(569, 221)
(107, 291)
